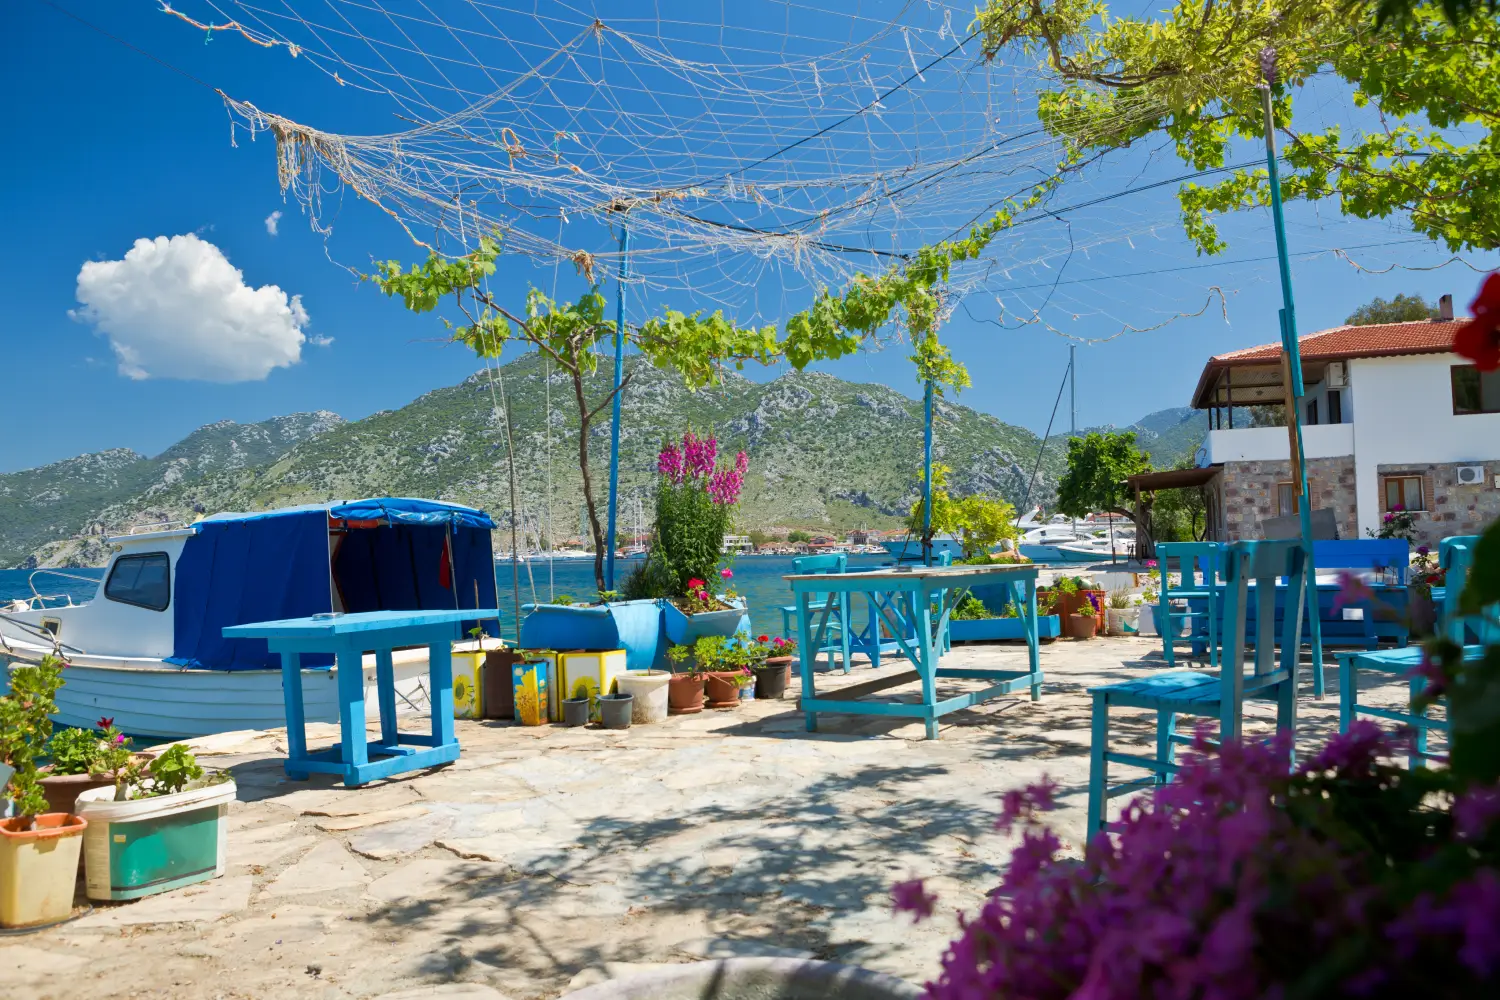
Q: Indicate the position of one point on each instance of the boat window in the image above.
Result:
(144, 580)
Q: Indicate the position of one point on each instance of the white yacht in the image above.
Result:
(148, 649)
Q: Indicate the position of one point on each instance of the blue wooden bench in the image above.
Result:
(1273, 674)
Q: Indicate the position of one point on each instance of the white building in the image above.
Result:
(1391, 416)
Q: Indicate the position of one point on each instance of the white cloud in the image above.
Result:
(272, 221)
(318, 340)
(176, 308)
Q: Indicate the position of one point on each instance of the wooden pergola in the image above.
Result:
(1171, 479)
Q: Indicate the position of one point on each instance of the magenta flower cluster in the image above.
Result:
(1241, 879)
(695, 460)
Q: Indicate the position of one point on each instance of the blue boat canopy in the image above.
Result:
(379, 554)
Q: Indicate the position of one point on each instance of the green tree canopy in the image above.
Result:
(978, 522)
(1097, 467)
(1401, 309)
(1432, 90)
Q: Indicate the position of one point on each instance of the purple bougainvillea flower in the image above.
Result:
(1475, 811)
(1021, 805)
(1352, 591)
(911, 896)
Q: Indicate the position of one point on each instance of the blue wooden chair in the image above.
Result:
(897, 610)
(830, 611)
(1273, 673)
(1201, 565)
(1456, 556)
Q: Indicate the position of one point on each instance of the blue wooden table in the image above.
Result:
(928, 594)
(355, 758)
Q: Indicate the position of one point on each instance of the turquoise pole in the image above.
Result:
(1294, 369)
(927, 475)
(614, 426)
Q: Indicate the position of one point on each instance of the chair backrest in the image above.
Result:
(832, 562)
(1200, 563)
(1263, 563)
(1365, 553)
(1456, 557)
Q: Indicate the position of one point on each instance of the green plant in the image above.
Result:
(1065, 586)
(25, 728)
(605, 596)
(1095, 481)
(566, 600)
(478, 633)
(172, 769)
(796, 537)
(1119, 598)
(1011, 611)
(696, 498)
(74, 751)
(969, 609)
(710, 652)
(1398, 522)
(978, 522)
(678, 655)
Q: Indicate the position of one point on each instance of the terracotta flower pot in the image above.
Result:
(685, 694)
(62, 790)
(723, 688)
(1082, 626)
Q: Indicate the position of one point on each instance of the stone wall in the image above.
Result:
(1249, 494)
(1451, 509)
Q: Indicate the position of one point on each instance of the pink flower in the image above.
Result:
(1352, 591)
(695, 584)
(702, 595)
(119, 738)
(669, 463)
(727, 573)
(1437, 680)
(1021, 805)
(1475, 811)
(912, 897)
(1353, 752)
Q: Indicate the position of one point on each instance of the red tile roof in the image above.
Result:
(1420, 337)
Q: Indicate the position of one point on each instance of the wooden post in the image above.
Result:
(1293, 451)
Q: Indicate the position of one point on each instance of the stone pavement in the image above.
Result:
(548, 858)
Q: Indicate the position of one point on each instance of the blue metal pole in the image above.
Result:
(614, 427)
(927, 475)
(1295, 391)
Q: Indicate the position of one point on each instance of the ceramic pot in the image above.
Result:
(754, 979)
(1082, 626)
(38, 868)
(1115, 619)
(615, 709)
(685, 694)
(1146, 623)
(722, 688)
(770, 681)
(575, 711)
(649, 688)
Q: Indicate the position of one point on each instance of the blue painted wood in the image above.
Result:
(349, 637)
(684, 630)
(634, 626)
(831, 610)
(1273, 671)
(915, 603)
(998, 629)
(1201, 567)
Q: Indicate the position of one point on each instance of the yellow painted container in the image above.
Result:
(468, 685)
(529, 681)
(589, 674)
(38, 868)
(548, 659)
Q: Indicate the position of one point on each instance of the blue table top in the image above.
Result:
(323, 626)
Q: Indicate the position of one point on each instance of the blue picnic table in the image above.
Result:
(349, 637)
(915, 602)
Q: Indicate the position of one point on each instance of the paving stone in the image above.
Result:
(446, 991)
(720, 947)
(338, 824)
(429, 877)
(265, 852)
(26, 966)
(327, 866)
(205, 901)
(606, 971)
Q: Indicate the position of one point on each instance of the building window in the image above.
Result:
(1335, 406)
(1403, 492)
(1312, 412)
(1284, 497)
(143, 580)
(1475, 391)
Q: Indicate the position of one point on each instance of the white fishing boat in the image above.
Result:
(148, 649)
(1099, 544)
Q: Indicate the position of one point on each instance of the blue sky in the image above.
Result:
(107, 147)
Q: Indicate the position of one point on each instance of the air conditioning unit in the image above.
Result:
(1337, 376)
(1471, 475)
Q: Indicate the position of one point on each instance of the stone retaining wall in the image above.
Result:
(1249, 494)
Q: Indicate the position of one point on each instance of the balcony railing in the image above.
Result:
(1269, 444)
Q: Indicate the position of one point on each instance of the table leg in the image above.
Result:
(846, 620)
(806, 652)
(440, 672)
(385, 688)
(296, 722)
(928, 653)
(352, 714)
(1033, 630)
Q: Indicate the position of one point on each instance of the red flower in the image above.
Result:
(105, 722)
(762, 638)
(695, 584)
(1479, 338)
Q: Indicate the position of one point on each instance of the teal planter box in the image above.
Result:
(145, 846)
(634, 626)
(996, 629)
(684, 630)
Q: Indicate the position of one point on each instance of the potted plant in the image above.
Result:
(615, 710)
(1117, 615)
(774, 671)
(1150, 595)
(649, 689)
(606, 623)
(685, 688)
(80, 762)
(162, 826)
(726, 669)
(973, 621)
(1083, 623)
(696, 497)
(38, 849)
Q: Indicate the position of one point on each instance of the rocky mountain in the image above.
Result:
(55, 503)
(1170, 436)
(823, 452)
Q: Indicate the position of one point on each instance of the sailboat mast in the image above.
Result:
(1073, 403)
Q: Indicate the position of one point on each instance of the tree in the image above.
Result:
(1095, 480)
(795, 537)
(1402, 309)
(1181, 514)
(1196, 75)
(977, 521)
(570, 335)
